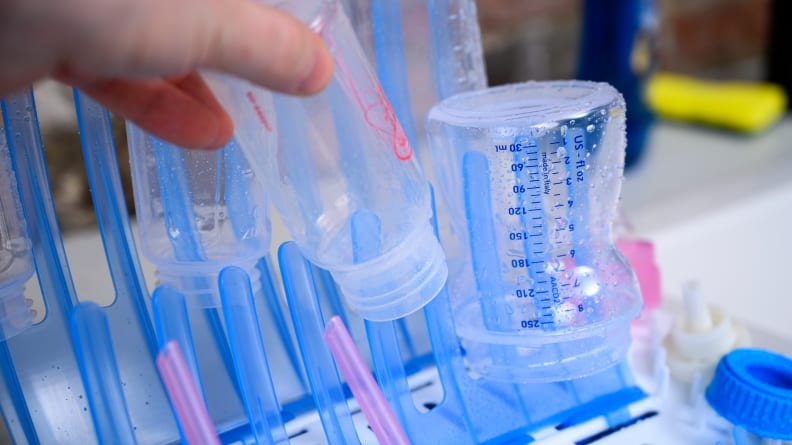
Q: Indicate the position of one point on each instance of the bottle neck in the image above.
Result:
(200, 287)
(16, 314)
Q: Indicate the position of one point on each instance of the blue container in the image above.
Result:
(617, 47)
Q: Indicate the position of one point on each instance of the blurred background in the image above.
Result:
(719, 39)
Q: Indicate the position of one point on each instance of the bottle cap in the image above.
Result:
(752, 389)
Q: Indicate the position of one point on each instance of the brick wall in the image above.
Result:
(538, 39)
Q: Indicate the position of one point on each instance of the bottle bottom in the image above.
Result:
(397, 283)
(559, 360)
(537, 355)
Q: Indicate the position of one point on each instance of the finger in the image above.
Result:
(240, 37)
(182, 110)
(270, 48)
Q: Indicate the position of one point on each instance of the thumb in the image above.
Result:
(267, 47)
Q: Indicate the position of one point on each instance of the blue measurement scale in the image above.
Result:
(534, 183)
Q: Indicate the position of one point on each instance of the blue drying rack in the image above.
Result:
(86, 373)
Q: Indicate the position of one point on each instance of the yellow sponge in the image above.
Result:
(741, 106)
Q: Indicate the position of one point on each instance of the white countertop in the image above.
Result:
(718, 206)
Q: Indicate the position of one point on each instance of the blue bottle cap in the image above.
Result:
(752, 388)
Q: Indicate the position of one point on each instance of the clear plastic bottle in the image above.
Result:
(530, 175)
(16, 259)
(424, 51)
(199, 211)
(347, 183)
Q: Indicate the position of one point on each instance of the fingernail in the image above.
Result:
(321, 72)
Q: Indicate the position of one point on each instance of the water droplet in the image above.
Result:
(249, 234)
(572, 122)
(561, 223)
(563, 130)
(205, 224)
(561, 152)
(554, 265)
(173, 231)
(590, 128)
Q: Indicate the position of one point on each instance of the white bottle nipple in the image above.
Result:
(700, 337)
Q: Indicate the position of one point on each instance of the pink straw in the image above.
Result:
(185, 397)
(364, 388)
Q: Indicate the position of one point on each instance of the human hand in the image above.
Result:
(139, 57)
